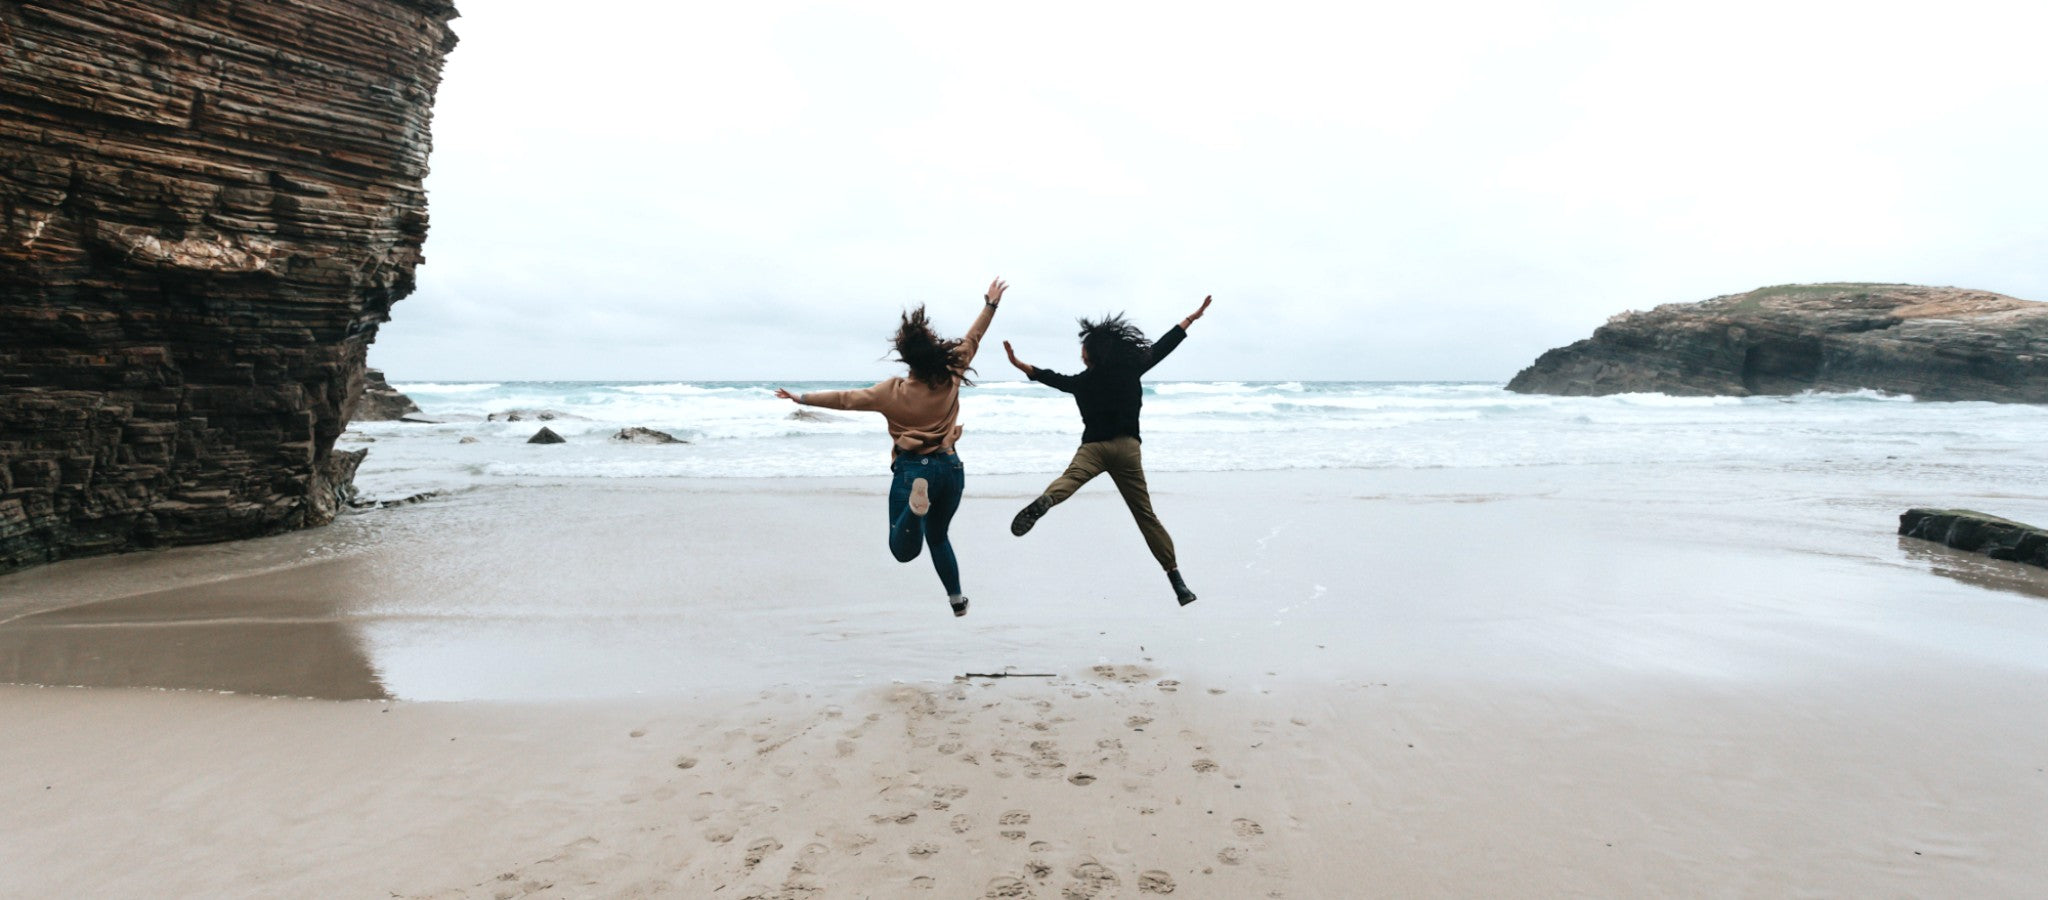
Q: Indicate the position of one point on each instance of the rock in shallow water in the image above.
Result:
(812, 415)
(546, 436)
(530, 415)
(1978, 532)
(1931, 343)
(639, 435)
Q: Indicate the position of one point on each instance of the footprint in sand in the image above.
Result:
(949, 792)
(1230, 856)
(898, 819)
(1168, 686)
(1246, 827)
(1138, 721)
(962, 823)
(1015, 817)
(1081, 779)
(1218, 691)
(686, 762)
(923, 883)
(1007, 888)
(923, 850)
(719, 835)
(1155, 882)
(760, 849)
(1299, 721)
(1038, 869)
(1204, 766)
(807, 859)
(1091, 880)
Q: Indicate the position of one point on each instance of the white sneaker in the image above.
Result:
(920, 497)
(959, 602)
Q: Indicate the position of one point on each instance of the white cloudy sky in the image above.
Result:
(648, 189)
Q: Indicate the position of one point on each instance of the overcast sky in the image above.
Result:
(646, 189)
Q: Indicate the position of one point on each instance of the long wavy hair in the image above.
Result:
(1112, 343)
(931, 358)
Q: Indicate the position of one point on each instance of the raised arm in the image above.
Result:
(1045, 377)
(1173, 337)
(971, 343)
(858, 399)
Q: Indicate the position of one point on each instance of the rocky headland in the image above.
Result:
(381, 402)
(206, 209)
(1934, 343)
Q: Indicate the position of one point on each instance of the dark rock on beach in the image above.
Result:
(639, 435)
(381, 402)
(547, 436)
(1978, 533)
(207, 208)
(1932, 343)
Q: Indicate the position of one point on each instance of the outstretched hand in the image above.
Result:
(994, 297)
(1021, 365)
(1190, 320)
(786, 395)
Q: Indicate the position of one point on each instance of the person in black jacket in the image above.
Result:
(1115, 354)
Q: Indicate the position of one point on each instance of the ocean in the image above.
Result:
(740, 430)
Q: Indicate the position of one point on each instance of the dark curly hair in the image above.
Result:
(1112, 343)
(930, 358)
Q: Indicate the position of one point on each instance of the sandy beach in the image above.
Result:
(1539, 681)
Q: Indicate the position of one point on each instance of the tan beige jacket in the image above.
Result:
(921, 420)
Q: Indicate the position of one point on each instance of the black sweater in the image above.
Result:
(1110, 400)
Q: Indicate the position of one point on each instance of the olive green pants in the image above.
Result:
(1123, 459)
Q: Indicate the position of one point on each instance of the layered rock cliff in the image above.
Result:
(206, 209)
(1932, 343)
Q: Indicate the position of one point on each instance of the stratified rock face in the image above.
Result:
(206, 209)
(1932, 343)
(380, 401)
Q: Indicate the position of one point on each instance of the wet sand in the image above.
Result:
(1529, 682)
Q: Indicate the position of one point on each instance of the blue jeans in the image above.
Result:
(907, 532)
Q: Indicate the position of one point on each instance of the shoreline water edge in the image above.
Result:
(738, 429)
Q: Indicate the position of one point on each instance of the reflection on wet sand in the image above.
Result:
(1977, 570)
(260, 634)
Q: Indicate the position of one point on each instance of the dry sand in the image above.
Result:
(1526, 682)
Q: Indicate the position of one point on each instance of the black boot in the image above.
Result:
(1180, 588)
(1028, 516)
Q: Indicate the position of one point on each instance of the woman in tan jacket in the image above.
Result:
(923, 412)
